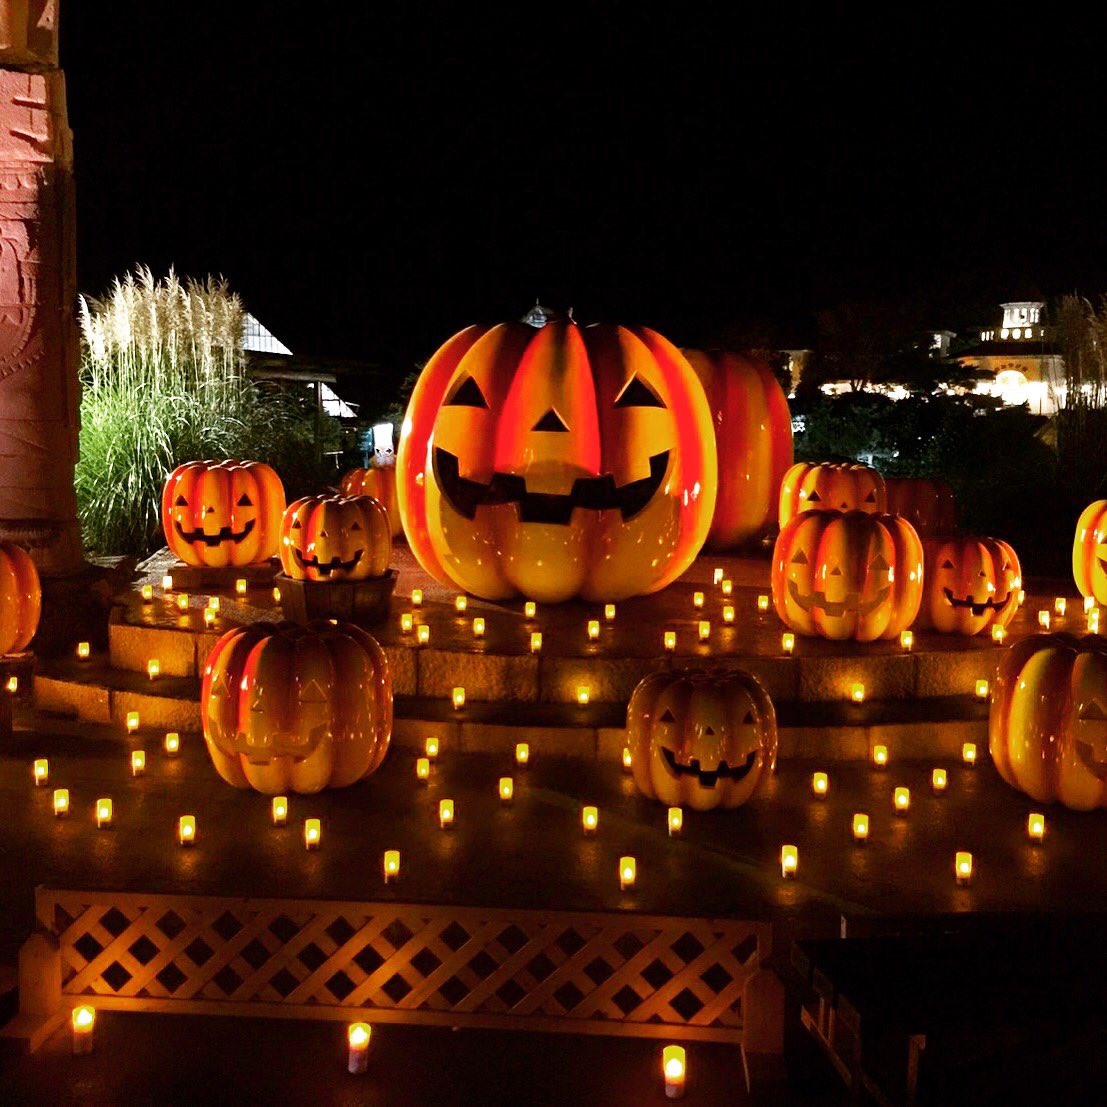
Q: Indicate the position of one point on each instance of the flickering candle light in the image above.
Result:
(669, 640)
(675, 821)
(962, 866)
(445, 814)
(703, 630)
(458, 698)
(717, 577)
(906, 640)
(214, 603)
(430, 746)
(147, 593)
(1043, 619)
(506, 789)
(981, 689)
(41, 772)
(536, 641)
(880, 756)
(422, 634)
(422, 769)
(1059, 605)
(240, 586)
(788, 642)
(153, 668)
(593, 629)
(478, 627)
(583, 695)
(12, 684)
(279, 810)
(209, 617)
(1022, 597)
(313, 832)
(276, 595)
(728, 613)
(417, 597)
(968, 753)
(1089, 603)
(522, 753)
(789, 861)
(938, 781)
(103, 813)
(357, 1038)
(407, 621)
(1035, 826)
(1093, 621)
(82, 1022)
(628, 872)
(628, 759)
(674, 1070)
(901, 800)
(999, 633)
(182, 601)
(138, 762)
(589, 819)
(762, 603)
(860, 827)
(726, 587)
(391, 865)
(857, 693)
(186, 830)
(609, 612)
(167, 583)
(461, 604)
(83, 651)
(61, 802)
(530, 609)
(819, 784)
(697, 599)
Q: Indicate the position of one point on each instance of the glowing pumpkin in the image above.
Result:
(701, 739)
(970, 584)
(1089, 552)
(334, 538)
(290, 708)
(20, 598)
(753, 438)
(556, 462)
(220, 513)
(380, 483)
(928, 505)
(847, 575)
(830, 486)
(1047, 730)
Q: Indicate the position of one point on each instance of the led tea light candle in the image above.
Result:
(819, 784)
(860, 827)
(628, 759)
(762, 603)
(214, 603)
(458, 698)
(674, 1070)
(357, 1041)
(1059, 605)
(728, 613)
(279, 810)
(417, 597)
(1093, 621)
(313, 831)
(530, 609)
(589, 819)
(147, 591)
(669, 640)
(422, 634)
(103, 813)
(962, 866)
(1035, 826)
(41, 771)
(593, 629)
(717, 577)
(407, 621)
(968, 753)
(1022, 597)
(703, 630)
(12, 685)
(506, 789)
(83, 651)
(461, 604)
(1043, 619)
(240, 586)
(938, 781)
(83, 1023)
(726, 587)
(445, 814)
(536, 641)
(276, 595)
(789, 861)
(857, 693)
(628, 872)
(167, 583)
(390, 865)
(675, 821)
(478, 627)
(998, 634)
(138, 762)
(61, 802)
(697, 600)
(182, 601)
(981, 689)
(422, 769)
(186, 830)
(901, 800)
(609, 612)
(1089, 603)
(788, 643)
(880, 756)
(522, 753)
(209, 617)
(430, 747)
(906, 640)
(583, 695)
(153, 668)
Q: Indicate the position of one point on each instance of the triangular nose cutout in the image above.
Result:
(551, 421)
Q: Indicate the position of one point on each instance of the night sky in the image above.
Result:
(370, 183)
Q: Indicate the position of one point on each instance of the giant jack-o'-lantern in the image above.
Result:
(701, 738)
(753, 438)
(290, 708)
(1089, 552)
(557, 462)
(847, 575)
(1047, 730)
(969, 584)
(831, 486)
(380, 483)
(222, 513)
(20, 598)
(335, 538)
(928, 505)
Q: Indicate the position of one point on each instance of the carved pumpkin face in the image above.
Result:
(1089, 552)
(810, 486)
(701, 739)
(335, 538)
(559, 462)
(222, 513)
(928, 505)
(293, 708)
(847, 575)
(20, 598)
(380, 483)
(1047, 729)
(970, 584)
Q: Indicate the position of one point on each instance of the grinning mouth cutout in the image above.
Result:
(978, 607)
(326, 567)
(211, 540)
(592, 493)
(835, 608)
(708, 778)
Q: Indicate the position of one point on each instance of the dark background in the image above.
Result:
(371, 180)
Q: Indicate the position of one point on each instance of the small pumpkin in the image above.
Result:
(831, 486)
(380, 483)
(335, 538)
(847, 575)
(222, 513)
(928, 505)
(1089, 552)
(970, 584)
(701, 738)
(20, 598)
(753, 438)
(1047, 727)
(290, 708)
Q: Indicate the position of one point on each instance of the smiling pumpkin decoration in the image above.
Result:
(1089, 552)
(557, 462)
(701, 738)
(378, 481)
(335, 538)
(847, 575)
(1047, 729)
(222, 513)
(831, 486)
(970, 584)
(20, 598)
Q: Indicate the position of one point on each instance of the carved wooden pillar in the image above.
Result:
(38, 330)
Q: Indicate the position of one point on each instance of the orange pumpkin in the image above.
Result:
(556, 462)
(290, 708)
(222, 513)
(753, 438)
(701, 739)
(1047, 727)
(380, 483)
(970, 584)
(1089, 552)
(20, 598)
(335, 538)
(847, 575)
(831, 486)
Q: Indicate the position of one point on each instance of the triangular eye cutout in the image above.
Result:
(295, 524)
(181, 502)
(709, 730)
(870, 498)
(800, 558)
(245, 501)
(947, 564)
(879, 563)
(355, 526)
(312, 693)
(1093, 711)
(748, 720)
(666, 716)
(467, 394)
(814, 498)
(637, 394)
(551, 421)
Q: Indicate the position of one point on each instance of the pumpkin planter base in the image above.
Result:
(362, 602)
(190, 578)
